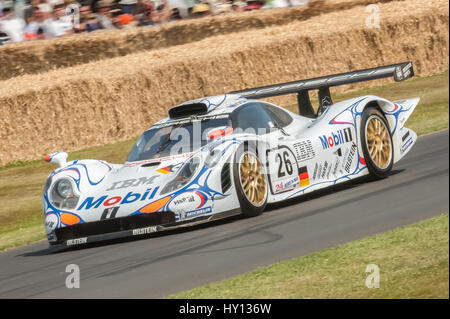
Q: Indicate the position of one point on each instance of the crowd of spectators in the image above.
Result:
(26, 20)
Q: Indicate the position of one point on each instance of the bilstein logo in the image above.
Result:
(338, 138)
(113, 200)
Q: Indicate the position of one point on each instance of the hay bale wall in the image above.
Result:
(118, 98)
(41, 56)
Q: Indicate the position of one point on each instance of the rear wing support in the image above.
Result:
(399, 72)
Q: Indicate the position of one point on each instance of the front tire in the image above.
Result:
(250, 181)
(376, 143)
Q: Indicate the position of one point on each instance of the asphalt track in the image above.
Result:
(160, 265)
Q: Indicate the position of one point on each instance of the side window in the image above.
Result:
(252, 117)
(280, 116)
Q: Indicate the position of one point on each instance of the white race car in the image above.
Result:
(230, 154)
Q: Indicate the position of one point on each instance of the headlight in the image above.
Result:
(62, 194)
(64, 188)
(184, 175)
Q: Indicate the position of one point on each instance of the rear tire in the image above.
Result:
(376, 143)
(250, 181)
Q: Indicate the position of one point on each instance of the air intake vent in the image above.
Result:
(151, 164)
(225, 177)
(185, 110)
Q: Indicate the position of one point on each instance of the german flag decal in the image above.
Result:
(304, 177)
(164, 170)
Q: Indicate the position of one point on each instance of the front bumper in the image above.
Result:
(130, 226)
(113, 228)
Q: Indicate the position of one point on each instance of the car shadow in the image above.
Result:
(227, 220)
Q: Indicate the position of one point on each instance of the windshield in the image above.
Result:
(178, 137)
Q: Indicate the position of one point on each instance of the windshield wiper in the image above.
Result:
(280, 128)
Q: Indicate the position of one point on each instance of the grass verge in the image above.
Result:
(21, 183)
(413, 263)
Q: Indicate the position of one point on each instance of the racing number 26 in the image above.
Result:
(287, 164)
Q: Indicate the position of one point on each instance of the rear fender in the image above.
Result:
(397, 113)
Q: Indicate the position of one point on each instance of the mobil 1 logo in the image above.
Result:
(337, 138)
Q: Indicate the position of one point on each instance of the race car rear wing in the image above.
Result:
(400, 72)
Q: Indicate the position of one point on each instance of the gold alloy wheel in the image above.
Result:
(378, 142)
(253, 180)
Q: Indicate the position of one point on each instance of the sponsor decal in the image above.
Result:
(317, 171)
(286, 184)
(283, 167)
(76, 241)
(304, 177)
(187, 201)
(351, 155)
(193, 213)
(336, 138)
(145, 230)
(198, 212)
(338, 152)
(169, 169)
(133, 182)
(51, 221)
(324, 172)
(336, 165)
(131, 197)
(304, 150)
(164, 170)
(329, 171)
(109, 212)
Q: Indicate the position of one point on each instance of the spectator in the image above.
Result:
(11, 25)
(45, 7)
(92, 23)
(175, 16)
(128, 6)
(56, 18)
(220, 6)
(123, 20)
(39, 20)
(127, 21)
(238, 6)
(146, 18)
(254, 5)
(144, 6)
(155, 17)
(201, 10)
(85, 12)
(104, 14)
(164, 12)
(115, 18)
(60, 25)
(277, 4)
